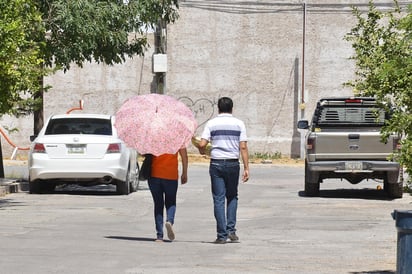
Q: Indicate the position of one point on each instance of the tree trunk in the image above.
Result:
(39, 113)
(1, 162)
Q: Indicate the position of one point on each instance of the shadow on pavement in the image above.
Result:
(74, 189)
(9, 203)
(374, 272)
(140, 239)
(365, 193)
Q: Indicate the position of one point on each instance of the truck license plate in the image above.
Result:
(353, 166)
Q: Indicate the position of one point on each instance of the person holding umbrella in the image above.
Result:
(228, 139)
(163, 184)
(162, 126)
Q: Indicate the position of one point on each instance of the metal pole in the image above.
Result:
(302, 95)
(160, 47)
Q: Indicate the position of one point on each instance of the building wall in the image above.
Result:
(251, 51)
(254, 53)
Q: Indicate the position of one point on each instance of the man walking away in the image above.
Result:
(227, 136)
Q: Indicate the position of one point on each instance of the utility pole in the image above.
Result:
(302, 95)
(160, 57)
(302, 103)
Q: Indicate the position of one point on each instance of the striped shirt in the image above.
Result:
(224, 132)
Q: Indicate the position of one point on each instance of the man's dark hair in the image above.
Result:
(225, 105)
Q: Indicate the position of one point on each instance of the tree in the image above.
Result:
(37, 36)
(383, 57)
(99, 30)
(105, 31)
(20, 55)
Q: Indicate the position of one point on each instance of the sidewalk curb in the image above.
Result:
(16, 177)
(8, 186)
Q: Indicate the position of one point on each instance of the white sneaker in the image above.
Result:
(170, 233)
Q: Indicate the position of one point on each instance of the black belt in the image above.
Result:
(224, 160)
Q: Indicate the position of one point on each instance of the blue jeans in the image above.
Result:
(164, 195)
(225, 181)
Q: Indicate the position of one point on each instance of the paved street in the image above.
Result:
(349, 229)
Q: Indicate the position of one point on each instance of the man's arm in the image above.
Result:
(202, 146)
(244, 153)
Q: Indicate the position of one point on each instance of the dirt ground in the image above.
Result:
(197, 158)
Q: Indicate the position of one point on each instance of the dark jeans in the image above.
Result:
(225, 180)
(164, 195)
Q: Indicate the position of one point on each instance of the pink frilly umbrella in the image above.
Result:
(155, 124)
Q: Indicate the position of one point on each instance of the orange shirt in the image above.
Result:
(165, 166)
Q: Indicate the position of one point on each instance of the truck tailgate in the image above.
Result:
(351, 145)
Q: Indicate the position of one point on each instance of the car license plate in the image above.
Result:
(76, 149)
(353, 166)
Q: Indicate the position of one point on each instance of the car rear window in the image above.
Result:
(79, 126)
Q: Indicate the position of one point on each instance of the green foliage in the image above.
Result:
(267, 156)
(105, 31)
(20, 55)
(37, 35)
(383, 57)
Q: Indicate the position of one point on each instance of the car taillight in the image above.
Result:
(39, 148)
(310, 145)
(113, 148)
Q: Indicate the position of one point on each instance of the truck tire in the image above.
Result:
(393, 184)
(312, 183)
(394, 191)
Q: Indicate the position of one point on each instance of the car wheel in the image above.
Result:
(48, 187)
(123, 187)
(34, 187)
(40, 186)
(134, 179)
(312, 183)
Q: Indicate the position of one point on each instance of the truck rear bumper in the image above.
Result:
(359, 166)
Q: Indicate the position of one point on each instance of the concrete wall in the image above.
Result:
(251, 51)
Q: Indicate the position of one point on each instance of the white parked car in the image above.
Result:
(81, 149)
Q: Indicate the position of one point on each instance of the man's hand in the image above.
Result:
(245, 176)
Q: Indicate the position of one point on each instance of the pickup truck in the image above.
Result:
(343, 140)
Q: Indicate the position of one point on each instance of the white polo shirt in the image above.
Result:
(224, 132)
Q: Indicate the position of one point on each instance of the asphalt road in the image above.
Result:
(348, 229)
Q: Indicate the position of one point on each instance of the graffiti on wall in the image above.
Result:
(203, 108)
